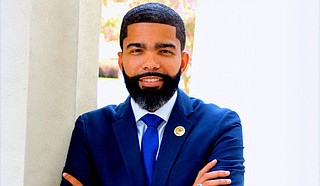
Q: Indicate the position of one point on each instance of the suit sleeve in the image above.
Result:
(228, 147)
(78, 158)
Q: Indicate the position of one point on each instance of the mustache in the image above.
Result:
(164, 76)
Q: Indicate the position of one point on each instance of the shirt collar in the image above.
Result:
(163, 112)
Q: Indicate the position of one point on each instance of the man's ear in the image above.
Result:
(184, 61)
(120, 63)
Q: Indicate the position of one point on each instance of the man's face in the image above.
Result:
(152, 63)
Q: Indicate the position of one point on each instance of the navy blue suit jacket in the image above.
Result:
(104, 147)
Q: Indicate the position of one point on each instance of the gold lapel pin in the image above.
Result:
(179, 131)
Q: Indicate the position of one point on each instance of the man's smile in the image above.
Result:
(150, 81)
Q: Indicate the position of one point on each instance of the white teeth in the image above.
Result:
(151, 80)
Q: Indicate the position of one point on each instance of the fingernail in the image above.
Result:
(214, 160)
(64, 174)
(227, 172)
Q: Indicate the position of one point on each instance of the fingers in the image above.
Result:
(207, 168)
(217, 182)
(214, 178)
(71, 179)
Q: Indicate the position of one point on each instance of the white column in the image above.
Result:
(88, 55)
(14, 64)
(261, 58)
(49, 64)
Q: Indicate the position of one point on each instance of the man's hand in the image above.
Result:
(214, 178)
(71, 179)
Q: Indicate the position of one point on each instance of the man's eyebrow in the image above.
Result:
(139, 45)
(165, 45)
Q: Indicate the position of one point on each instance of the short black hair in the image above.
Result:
(153, 13)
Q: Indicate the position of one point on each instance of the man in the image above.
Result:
(193, 144)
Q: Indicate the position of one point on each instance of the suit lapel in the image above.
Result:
(125, 131)
(171, 143)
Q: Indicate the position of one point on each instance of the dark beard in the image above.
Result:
(152, 98)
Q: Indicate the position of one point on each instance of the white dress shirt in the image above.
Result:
(163, 112)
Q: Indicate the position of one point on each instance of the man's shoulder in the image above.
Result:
(210, 109)
(109, 112)
(109, 109)
(198, 106)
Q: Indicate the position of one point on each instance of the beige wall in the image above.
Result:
(49, 62)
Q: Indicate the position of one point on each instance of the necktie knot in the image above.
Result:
(152, 120)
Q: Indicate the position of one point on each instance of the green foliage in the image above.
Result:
(110, 27)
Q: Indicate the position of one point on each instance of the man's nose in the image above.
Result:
(150, 63)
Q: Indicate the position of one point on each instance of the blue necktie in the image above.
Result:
(150, 143)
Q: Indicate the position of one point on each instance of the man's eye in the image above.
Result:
(166, 52)
(135, 51)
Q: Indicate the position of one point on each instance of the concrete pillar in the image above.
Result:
(49, 64)
(15, 25)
